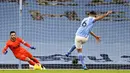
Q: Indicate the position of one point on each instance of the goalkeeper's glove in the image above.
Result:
(5, 52)
(32, 47)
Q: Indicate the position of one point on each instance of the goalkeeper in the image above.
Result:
(19, 52)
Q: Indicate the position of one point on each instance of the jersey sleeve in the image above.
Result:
(25, 43)
(92, 20)
(5, 48)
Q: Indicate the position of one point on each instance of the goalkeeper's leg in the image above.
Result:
(38, 63)
(25, 58)
(35, 60)
(31, 62)
(30, 56)
(37, 66)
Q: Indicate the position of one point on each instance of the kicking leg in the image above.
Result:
(71, 50)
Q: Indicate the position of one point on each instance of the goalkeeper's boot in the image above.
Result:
(43, 68)
(36, 67)
(39, 67)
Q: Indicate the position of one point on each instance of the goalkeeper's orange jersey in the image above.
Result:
(15, 46)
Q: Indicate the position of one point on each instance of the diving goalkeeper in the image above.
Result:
(19, 52)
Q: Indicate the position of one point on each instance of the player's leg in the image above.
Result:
(80, 57)
(38, 63)
(35, 60)
(30, 56)
(36, 66)
(71, 50)
(79, 41)
(30, 61)
(25, 58)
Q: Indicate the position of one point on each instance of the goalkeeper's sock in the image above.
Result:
(35, 60)
(31, 62)
(80, 57)
(71, 50)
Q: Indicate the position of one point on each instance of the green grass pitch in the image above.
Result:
(65, 71)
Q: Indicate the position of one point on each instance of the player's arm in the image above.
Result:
(4, 51)
(102, 16)
(95, 36)
(26, 44)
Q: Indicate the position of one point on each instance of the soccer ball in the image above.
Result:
(75, 61)
(37, 67)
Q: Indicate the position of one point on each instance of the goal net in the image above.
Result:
(50, 26)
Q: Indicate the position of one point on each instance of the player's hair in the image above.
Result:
(12, 32)
(92, 13)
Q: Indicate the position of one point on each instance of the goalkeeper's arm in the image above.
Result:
(4, 51)
(26, 44)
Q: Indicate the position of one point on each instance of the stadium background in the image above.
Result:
(53, 36)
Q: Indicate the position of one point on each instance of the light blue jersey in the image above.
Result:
(85, 27)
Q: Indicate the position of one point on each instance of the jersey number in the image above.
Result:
(84, 24)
